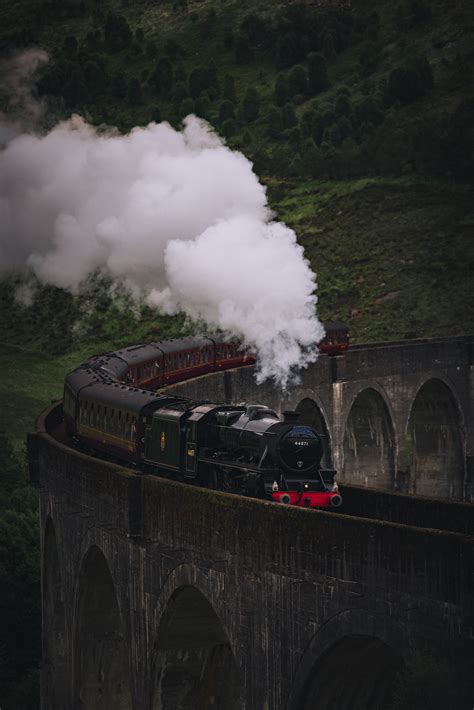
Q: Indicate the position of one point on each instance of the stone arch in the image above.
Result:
(350, 664)
(433, 453)
(102, 677)
(194, 666)
(311, 414)
(369, 442)
(54, 663)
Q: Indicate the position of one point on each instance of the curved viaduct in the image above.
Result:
(159, 596)
(397, 416)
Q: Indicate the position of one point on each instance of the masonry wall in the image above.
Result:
(284, 583)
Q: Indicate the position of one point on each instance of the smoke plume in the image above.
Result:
(175, 216)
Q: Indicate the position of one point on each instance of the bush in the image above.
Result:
(134, 93)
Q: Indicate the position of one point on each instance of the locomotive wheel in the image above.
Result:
(220, 479)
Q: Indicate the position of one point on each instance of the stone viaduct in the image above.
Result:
(161, 596)
(396, 416)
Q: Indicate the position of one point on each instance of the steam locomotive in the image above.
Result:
(111, 409)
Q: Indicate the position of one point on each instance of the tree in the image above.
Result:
(250, 105)
(202, 106)
(179, 93)
(256, 29)
(229, 128)
(150, 49)
(306, 123)
(75, 88)
(134, 94)
(298, 80)
(187, 107)
(344, 127)
(173, 49)
(198, 81)
(243, 50)
(317, 73)
(155, 114)
(369, 57)
(289, 50)
(273, 123)
(226, 111)
(228, 88)
(343, 105)
(117, 33)
(70, 45)
(288, 116)
(95, 78)
(280, 92)
(163, 77)
(411, 80)
(311, 159)
(119, 87)
(19, 565)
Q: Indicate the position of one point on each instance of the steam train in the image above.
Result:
(111, 408)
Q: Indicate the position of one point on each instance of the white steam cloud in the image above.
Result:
(176, 217)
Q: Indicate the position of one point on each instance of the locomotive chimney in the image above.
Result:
(290, 417)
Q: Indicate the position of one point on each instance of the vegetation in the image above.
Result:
(382, 91)
(20, 617)
(358, 120)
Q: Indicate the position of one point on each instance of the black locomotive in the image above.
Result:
(242, 449)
